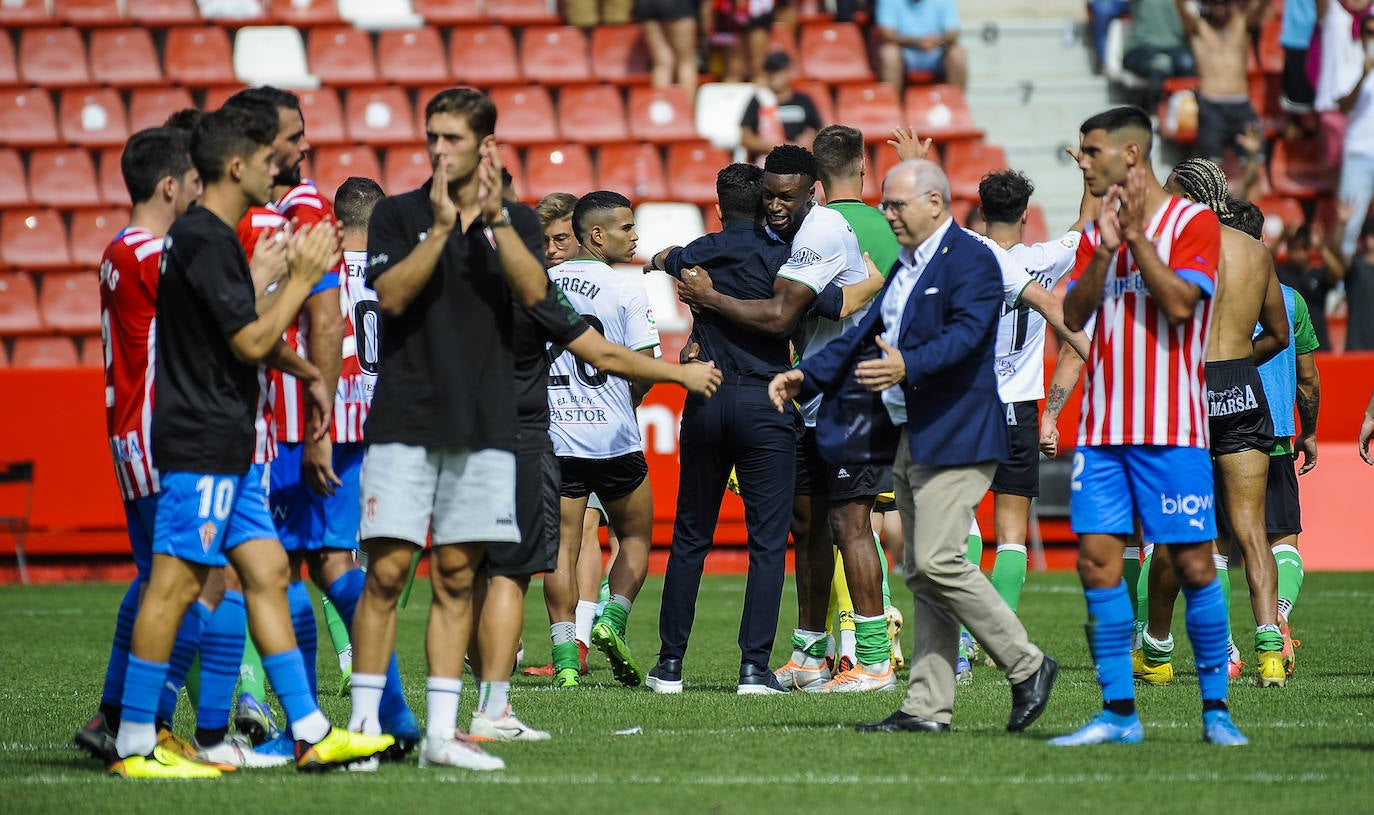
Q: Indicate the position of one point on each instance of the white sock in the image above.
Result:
(1129, 553)
(848, 643)
(1011, 547)
(1221, 562)
(311, 728)
(1165, 645)
(367, 702)
(135, 738)
(562, 632)
(585, 616)
(495, 698)
(441, 697)
(1148, 550)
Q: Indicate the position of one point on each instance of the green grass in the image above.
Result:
(707, 750)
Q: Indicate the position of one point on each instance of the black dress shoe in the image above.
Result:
(900, 721)
(755, 680)
(1029, 696)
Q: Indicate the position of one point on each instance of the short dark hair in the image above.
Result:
(591, 204)
(265, 96)
(354, 200)
(184, 119)
(1118, 119)
(1003, 195)
(475, 107)
(789, 159)
(1244, 216)
(838, 150)
(739, 189)
(228, 133)
(152, 155)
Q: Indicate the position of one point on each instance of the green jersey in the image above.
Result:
(872, 230)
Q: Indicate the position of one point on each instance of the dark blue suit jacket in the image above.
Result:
(947, 339)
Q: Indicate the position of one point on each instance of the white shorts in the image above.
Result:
(465, 496)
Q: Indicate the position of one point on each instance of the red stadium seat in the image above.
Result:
(834, 52)
(527, 116)
(89, 13)
(70, 301)
(216, 97)
(162, 13)
(592, 114)
(1280, 213)
(1036, 229)
(33, 239)
(19, 13)
(111, 178)
(9, 63)
(483, 55)
(510, 160)
(63, 178)
(558, 168)
(199, 57)
(1270, 50)
(341, 55)
(93, 117)
(124, 57)
(522, 12)
(18, 304)
(405, 168)
(939, 112)
(633, 169)
(661, 115)
(150, 107)
(27, 118)
(14, 190)
(44, 352)
(784, 38)
(711, 219)
(306, 13)
(554, 55)
(324, 123)
(380, 116)
(52, 57)
(92, 231)
(967, 162)
(450, 12)
(694, 167)
(412, 57)
(1297, 170)
(821, 95)
(621, 54)
(92, 353)
(331, 166)
(871, 108)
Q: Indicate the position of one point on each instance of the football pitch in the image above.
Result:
(707, 750)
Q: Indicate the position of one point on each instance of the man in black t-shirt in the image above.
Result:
(210, 340)
(788, 117)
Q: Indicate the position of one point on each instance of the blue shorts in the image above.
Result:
(918, 60)
(201, 517)
(306, 521)
(140, 515)
(1169, 488)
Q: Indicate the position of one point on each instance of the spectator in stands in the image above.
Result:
(1295, 35)
(1359, 292)
(670, 30)
(1100, 16)
(1340, 60)
(1156, 49)
(1314, 281)
(1357, 156)
(1219, 34)
(589, 14)
(920, 35)
(777, 114)
(745, 26)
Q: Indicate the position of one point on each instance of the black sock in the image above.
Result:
(1121, 707)
(1209, 705)
(209, 737)
(162, 724)
(112, 713)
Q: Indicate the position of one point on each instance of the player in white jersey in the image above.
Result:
(592, 419)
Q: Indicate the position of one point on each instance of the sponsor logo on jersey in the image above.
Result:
(380, 259)
(1184, 504)
(806, 255)
(1231, 401)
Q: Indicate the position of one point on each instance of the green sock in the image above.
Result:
(975, 549)
(193, 683)
(565, 656)
(604, 596)
(1290, 577)
(1009, 573)
(338, 634)
(811, 643)
(1140, 589)
(252, 678)
(871, 646)
(1132, 573)
(1268, 638)
(1224, 575)
(1158, 650)
(882, 559)
(617, 613)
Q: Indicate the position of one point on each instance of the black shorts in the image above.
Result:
(1019, 472)
(665, 10)
(1282, 513)
(536, 511)
(816, 476)
(1298, 93)
(1237, 411)
(610, 478)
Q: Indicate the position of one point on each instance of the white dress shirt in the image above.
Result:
(912, 265)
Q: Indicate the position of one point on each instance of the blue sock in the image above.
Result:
(142, 686)
(183, 653)
(344, 593)
(221, 651)
(1206, 619)
(307, 631)
(119, 649)
(286, 672)
(1110, 625)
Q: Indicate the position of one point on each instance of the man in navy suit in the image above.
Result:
(935, 324)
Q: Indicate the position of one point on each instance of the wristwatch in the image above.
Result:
(504, 220)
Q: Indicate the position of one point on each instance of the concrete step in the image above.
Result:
(1014, 50)
(1036, 109)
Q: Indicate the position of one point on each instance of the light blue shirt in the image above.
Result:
(917, 18)
(1299, 18)
(911, 266)
(1280, 377)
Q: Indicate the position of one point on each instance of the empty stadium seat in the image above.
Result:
(236, 12)
(558, 168)
(523, 12)
(527, 115)
(1036, 229)
(719, 109)
(18, 304)
(621, 54)
(661, 115)
(162, 13)
(63, 177)
(412, 57)
(634, 169)
(871, 108)
(331, 166)
(150, 107)
(834, 52)
(340, 55)
(52, 57)
(821, 95)
(380, 116)
(199, 57)
(17, 13)
(33, 239)
(111, 178)
(27, 118)
(450, 12)
(661, 225)
(44, 352)
(92, 354)
(554, 55)
(783, 37)
(323, 112)
(306, 13)
(14, 191)
(70, 301)
(9, 63)
(405, 168)
(380, 14)
(1297, 170)
(967, 162)
(592, 114)
(694, 167)
(92, 230)
(940, 112)
(483, 55)
(272, 55)
(93, 117)
(216, 97)
(710, 219)
(124, 58)
(89, 13)
(510, 159)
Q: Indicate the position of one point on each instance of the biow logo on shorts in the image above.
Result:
(1184, 504)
